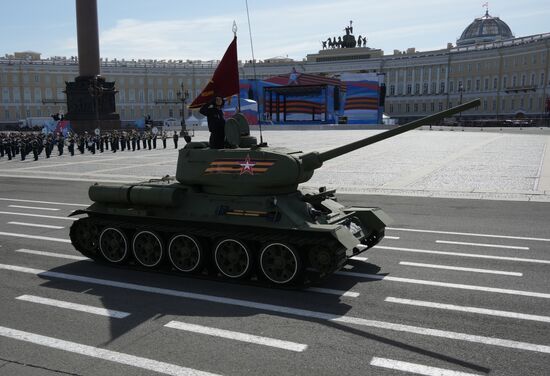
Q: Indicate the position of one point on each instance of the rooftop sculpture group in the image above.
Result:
(346, 41)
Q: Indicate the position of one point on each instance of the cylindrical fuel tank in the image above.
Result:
(115, 194)
(136, 195)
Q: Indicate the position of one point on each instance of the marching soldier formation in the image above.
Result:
(25, 145)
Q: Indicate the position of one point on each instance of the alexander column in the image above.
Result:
(90, 99)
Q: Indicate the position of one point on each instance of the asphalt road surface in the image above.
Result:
(457, 287)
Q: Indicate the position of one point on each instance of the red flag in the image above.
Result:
(225, 81)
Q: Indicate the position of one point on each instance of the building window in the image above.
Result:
(417, 88)
(486, 84)
(542, 83)
(432, 107)
(159, 94)
(494, 104)
(150, 95)
(522, 103)
(450, 105)
(440, 106)
(392, 89)
(425, 88)
(533, 79)
(416, 107)
(523, 80)
(131, 95)
(485, 105)
(132, 113)
(170, 112)
(503, 106)
(514, 81)
(478, 84)
(7, 114)
(37, 94)
(512, 104)
(141, 97)
(409, 88)
(6, 95)
(391, 108)
(423, 107)
(442, 87)
(505, 82)
(469, 85)
(495, 83)
(531, 104)
(434, 87)
(398, 107)
(452, 86)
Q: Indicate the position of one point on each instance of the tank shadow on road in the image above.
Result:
(145, 306)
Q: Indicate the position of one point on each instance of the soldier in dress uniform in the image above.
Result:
(71, 138)
(60, 144)
(48, 145)
(144, 140)
(164, 139)
(149, 137)
(154, 136)
(176, 138)
(35, 147)
(122, 141)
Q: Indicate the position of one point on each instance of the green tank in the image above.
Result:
(235, 213)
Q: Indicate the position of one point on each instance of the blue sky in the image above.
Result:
(184, 29)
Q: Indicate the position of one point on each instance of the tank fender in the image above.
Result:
(371, 218)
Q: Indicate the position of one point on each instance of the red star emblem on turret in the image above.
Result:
(246, 166)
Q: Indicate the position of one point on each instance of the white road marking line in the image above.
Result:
(32, 207)
(40, 202)
(286, 310)
(95, 352)
(446, 284)
(458, 268)
(468, 234)
(350, 294)
(237, 336)
(482, 311)
(39, 215)
(51, 254)
(483, 245)
(74, 306)
(359, 258)
(392, 237)
(417, 369)
(35, 225)
(516, 259)
(35, 237)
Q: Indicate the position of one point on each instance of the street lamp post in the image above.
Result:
(460, 91)
(182, 96)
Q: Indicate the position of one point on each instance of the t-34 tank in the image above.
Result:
(235, 213)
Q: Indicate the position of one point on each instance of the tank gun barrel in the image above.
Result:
(336, 152)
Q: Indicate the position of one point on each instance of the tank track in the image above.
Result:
(85, 239)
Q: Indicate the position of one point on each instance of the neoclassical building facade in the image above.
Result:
(510, 75)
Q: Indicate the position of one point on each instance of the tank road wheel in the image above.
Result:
(84, 236)
(113, 244)
(280, 263)
(185, 253)
(321, 259)
(147, 248)
(233, 258)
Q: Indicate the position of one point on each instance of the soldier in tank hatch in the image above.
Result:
(216, 122)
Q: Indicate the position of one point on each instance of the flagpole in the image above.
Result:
(239, 85)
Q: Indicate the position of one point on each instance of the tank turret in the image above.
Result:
(256, 169)
(235, 213)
